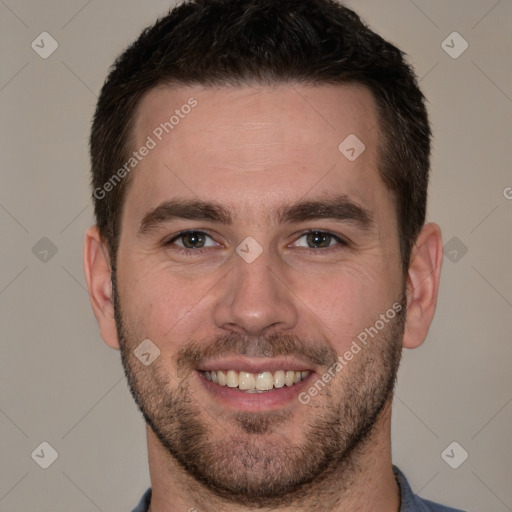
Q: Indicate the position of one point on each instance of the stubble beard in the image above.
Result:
(259, 465)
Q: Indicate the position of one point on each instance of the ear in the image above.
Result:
(99, 282)
(423, 284)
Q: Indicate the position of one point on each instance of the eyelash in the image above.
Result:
(183, 250)
(341, 242)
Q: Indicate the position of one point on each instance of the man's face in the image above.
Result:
(290, 252)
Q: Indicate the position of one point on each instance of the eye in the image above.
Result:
(192, 240)
(318, 240)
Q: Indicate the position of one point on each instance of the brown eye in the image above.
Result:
(316, 239)
(192, 240)
(319, 239)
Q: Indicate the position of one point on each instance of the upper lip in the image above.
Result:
(255, 364)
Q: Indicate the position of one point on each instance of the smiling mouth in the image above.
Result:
(255, 382)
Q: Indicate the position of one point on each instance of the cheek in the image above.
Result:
(161, 305)
(348, 301)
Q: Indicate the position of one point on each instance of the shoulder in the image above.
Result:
(144, 502)
(410, 501)
(413, 503)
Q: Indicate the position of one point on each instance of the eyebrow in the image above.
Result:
(339, 208)
(184, 209)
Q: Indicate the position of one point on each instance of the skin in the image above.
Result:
(255, 150)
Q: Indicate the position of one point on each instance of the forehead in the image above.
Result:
(255, 143)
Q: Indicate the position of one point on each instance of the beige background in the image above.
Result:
(59, 382)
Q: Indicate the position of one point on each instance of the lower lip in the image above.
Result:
(243, 401)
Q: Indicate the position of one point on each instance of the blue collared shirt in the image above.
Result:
(410, 501)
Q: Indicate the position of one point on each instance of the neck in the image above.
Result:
(364, 483)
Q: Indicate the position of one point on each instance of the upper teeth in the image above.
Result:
(263, 381)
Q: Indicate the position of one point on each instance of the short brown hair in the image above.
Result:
(248, 42)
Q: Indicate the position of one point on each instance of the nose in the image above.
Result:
(254, 298)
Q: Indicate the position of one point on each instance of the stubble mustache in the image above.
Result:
(191, 356)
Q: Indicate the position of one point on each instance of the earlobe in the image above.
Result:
(98, 274)
(423, 284)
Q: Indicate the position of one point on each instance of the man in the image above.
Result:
(260, 257)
